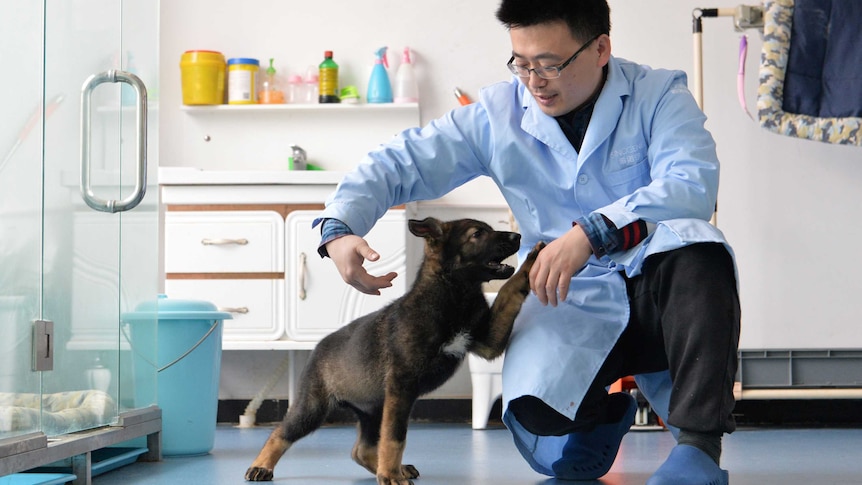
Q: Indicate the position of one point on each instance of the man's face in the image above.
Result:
(551, 44)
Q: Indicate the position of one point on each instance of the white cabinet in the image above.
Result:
(244, 241)
(318, 300)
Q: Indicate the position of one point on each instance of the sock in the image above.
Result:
(707, 443)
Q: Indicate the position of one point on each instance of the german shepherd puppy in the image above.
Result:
(381, 363)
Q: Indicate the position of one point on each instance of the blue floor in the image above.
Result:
(454, 454)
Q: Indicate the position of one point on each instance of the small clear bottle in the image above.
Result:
(312, 85)
(269, 88)
(295, 89)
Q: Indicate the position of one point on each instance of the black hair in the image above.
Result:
(585, 18)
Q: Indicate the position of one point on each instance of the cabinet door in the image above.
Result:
(318, 300)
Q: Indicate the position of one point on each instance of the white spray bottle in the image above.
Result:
(406, 87)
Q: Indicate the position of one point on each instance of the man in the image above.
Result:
(609, 163)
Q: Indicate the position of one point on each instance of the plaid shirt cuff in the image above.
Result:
(330, 230)
(604, 236)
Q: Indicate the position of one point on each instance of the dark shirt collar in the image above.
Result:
(574, 123)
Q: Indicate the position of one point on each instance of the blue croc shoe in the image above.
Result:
(687, 465)
(589, 455)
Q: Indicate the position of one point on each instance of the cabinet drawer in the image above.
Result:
(224, 242)
(255, 305)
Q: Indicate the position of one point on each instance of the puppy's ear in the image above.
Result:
(427, 228)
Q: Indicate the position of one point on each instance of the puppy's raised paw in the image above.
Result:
(531, 258)
(525, 268)
(519, 283)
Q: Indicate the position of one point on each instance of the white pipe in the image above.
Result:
(248, 418)
(697, 82)
(766, 394)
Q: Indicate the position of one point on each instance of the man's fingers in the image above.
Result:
(366, 252)
(538, 278)
(371, 285)
(564, 288)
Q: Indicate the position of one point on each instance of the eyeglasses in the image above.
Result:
(546, 72)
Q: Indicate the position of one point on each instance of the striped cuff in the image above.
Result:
(605, 238)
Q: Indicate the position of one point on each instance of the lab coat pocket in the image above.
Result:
(634, 176)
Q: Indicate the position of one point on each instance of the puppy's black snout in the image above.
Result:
(515, 237)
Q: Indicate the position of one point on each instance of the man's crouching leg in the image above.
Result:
(569, 451)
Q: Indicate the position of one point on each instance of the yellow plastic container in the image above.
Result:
(203, 77)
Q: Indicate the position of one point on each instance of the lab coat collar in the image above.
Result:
(606, 114)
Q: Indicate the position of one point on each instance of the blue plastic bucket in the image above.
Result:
(187, 335)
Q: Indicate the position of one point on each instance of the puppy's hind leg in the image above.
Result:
(306, 416)
(368, 436)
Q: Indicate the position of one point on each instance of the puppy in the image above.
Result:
(381, 363)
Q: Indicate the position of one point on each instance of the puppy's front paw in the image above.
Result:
(383, 480)
(524, 270)
(258, 474)
(531, 258)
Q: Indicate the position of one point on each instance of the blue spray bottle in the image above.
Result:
(379, 87)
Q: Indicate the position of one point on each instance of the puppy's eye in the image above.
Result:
(478, 234)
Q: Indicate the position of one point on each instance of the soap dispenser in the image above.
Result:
(379, 87)
(406, 87)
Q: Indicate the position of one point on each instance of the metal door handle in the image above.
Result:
(135, 198)
(241, 310)
(302, 274)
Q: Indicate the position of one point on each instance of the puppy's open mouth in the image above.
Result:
(499, 268)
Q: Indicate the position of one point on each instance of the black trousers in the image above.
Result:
(685, 317)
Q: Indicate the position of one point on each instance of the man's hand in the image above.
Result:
(348, 253)
(555, 265)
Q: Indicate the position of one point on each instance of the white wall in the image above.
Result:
(783, 204)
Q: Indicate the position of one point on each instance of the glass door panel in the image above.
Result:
(21, 126)
(89, 279)
(63, 263)
(139, 235)
(81, 259)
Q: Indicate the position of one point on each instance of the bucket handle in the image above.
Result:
(187, 352)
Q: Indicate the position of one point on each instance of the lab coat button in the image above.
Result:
(583, 178)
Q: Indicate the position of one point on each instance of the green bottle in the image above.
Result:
(328, 79)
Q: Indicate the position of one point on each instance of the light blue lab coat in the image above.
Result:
(646, 155)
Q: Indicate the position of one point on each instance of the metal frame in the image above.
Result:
(35, 449)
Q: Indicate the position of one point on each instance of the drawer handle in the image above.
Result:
(302, 270)
(224, 242)
(242, 309)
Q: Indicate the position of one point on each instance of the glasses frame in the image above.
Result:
(517, 70)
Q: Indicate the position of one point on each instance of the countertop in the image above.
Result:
(196, 176)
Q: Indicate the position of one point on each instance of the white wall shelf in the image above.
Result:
(325, 107)
(259, 136)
